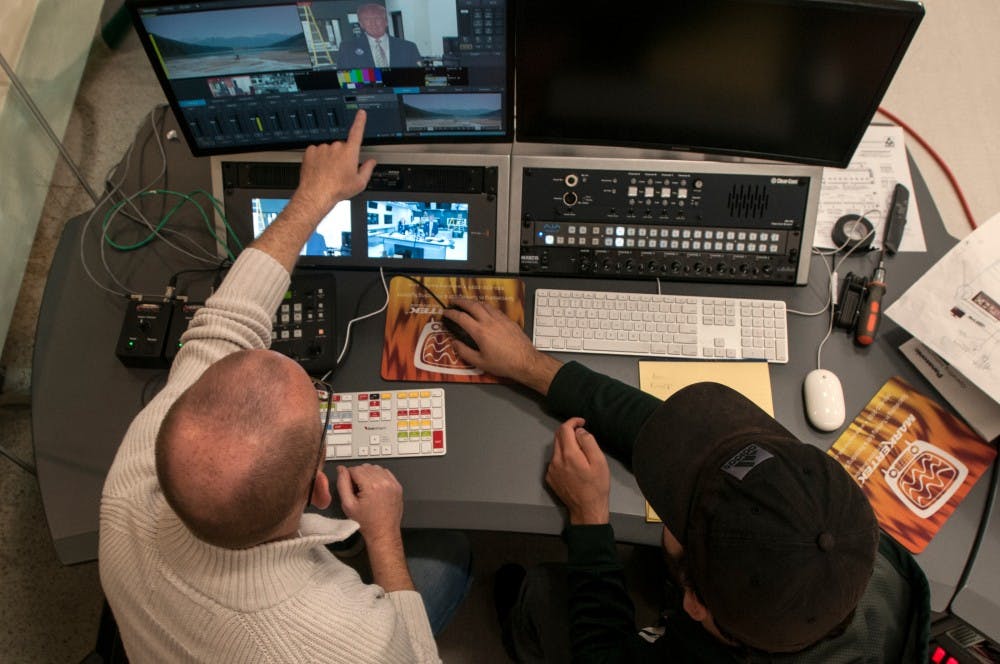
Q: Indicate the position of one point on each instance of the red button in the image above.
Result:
(362, 397)
(425, 411)
(374, 415)
(375, 404)
(342, 427)
(438, 438)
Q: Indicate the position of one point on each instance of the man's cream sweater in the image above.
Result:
(176, 598)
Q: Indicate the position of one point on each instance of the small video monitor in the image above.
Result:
(412, 216)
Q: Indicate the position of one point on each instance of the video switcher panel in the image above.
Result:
(697, 221)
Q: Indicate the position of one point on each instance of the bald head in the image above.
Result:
(237, 452)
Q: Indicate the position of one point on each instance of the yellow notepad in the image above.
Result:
(663, 378)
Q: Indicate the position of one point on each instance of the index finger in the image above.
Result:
(357, 131)
(588, 444)
(566, 443)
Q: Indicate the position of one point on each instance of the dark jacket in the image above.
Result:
(891, 624)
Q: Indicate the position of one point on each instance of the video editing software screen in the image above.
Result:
(793, 80)
(245, 75)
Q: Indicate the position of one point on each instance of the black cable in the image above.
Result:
(218, 269)
(984, 523)
(421, 284)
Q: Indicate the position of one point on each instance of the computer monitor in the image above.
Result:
(252, 75)
(792, 80)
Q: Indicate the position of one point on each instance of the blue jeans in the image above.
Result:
(440, 563)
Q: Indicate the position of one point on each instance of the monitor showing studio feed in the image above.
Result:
(791, 80)
(250, 75)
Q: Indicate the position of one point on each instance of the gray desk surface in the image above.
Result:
(978, 603)
(499, 436)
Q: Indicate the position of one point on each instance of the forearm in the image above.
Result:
(284, 238)
(388, 563)
(614, 412)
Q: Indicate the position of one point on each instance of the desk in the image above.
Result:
(499, 436)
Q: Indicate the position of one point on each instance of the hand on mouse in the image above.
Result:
(504, 349)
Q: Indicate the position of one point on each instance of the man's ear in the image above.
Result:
(321, 496)
(693, 606)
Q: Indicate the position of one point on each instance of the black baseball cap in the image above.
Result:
(780, 541)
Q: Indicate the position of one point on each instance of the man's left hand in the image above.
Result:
(579, 474)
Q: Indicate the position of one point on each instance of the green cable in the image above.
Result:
(185, 198)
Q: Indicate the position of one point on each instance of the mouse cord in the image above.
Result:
(831, 303)
(429, 291)
(347, 335)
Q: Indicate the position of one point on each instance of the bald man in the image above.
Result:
(205, 552)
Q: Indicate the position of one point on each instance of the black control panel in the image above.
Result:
(676, 225)
(303, 325)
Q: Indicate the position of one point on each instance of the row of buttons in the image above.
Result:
(642, 243)
(650, 192)
(681, 233)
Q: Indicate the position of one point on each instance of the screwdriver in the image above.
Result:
(871, 313)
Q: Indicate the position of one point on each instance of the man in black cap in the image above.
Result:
(775, 550)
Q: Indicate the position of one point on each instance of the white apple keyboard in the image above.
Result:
(681, 326)
(385, 424)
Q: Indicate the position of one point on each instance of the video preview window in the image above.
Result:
(418, 230)
(331, 238)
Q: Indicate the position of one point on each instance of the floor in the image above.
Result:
(948, 89)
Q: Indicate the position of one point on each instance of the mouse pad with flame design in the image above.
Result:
(417, 347)
(914, 461)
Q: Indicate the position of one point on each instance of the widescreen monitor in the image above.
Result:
(792, 80)
(251, 75)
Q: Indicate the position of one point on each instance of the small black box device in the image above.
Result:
(144, 333)
(179, 320)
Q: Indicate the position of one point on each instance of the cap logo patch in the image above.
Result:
(746, 460)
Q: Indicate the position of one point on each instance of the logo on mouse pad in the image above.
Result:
(924, 477)
(434, 352)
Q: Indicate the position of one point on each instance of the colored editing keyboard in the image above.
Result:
(679, 326)
(398, 423)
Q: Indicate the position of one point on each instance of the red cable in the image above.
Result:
(944, 167)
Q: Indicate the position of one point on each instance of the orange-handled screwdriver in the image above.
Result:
(871, 313)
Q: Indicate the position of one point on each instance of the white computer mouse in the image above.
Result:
(824, 400)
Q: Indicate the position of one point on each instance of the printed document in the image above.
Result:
(955, 308)
(865, 188)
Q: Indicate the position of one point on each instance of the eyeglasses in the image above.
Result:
(325, 395)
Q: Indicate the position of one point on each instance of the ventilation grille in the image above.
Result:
(277, 176)
(748, 201)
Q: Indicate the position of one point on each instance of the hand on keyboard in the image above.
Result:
(504, 348)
